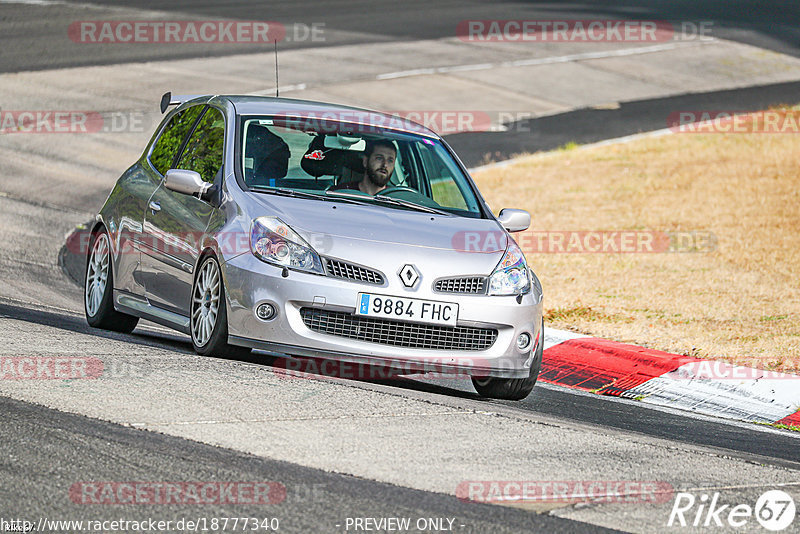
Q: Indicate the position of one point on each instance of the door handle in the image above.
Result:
(154, 206)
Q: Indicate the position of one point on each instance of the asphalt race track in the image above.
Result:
(339, 448)
(773, 25)
(314, 500)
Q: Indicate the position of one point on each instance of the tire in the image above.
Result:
(98, 288)
(209, 314)
(511, 388)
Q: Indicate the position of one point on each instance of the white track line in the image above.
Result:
(542, 60)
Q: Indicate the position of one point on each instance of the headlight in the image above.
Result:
(510, 277)
(272, 241)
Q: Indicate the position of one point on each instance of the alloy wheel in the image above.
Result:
(97, 275)
(205, 302)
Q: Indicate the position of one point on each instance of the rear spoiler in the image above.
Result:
(168, 100)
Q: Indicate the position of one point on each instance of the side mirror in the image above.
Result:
(514, 220)
(186, 182)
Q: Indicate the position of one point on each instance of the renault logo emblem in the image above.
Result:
(409, 275)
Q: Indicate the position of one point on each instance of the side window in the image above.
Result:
(168, 143)
(203, 152)
(444, 188)
(446, 193)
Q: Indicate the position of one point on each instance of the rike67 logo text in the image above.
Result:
(774, 510)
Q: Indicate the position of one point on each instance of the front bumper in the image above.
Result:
(250, 282)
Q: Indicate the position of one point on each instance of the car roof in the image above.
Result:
(264, 105)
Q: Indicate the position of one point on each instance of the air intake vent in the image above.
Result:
(398, 333)
(349, 271)
(464, 285)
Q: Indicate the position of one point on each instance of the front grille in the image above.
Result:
(349, 271)
(398, 333)
(463, 284)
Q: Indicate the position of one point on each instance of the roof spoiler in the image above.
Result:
(168, 100)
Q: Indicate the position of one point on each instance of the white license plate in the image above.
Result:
(405, 309)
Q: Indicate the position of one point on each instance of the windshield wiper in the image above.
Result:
(344, 194)
(360, 197)
(283, 191)
(408, 204)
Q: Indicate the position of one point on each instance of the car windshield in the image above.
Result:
(326, 159)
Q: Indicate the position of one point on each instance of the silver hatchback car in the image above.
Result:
(312, 230)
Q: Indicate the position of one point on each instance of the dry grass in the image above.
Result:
(739, 303)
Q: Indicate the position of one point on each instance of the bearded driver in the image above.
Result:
(378, 160)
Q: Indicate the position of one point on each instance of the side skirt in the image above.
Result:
(141, 307)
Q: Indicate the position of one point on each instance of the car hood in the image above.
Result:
(321, 220)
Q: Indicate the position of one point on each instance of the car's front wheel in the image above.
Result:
(209, 320)
(511, 388)
(98, 288)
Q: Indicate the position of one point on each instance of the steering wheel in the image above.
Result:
(397, 188)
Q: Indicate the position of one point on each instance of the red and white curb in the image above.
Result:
(702, 386)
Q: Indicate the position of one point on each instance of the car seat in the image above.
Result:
(344, 165)
(269, 155)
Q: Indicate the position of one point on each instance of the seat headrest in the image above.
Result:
(322, 161)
